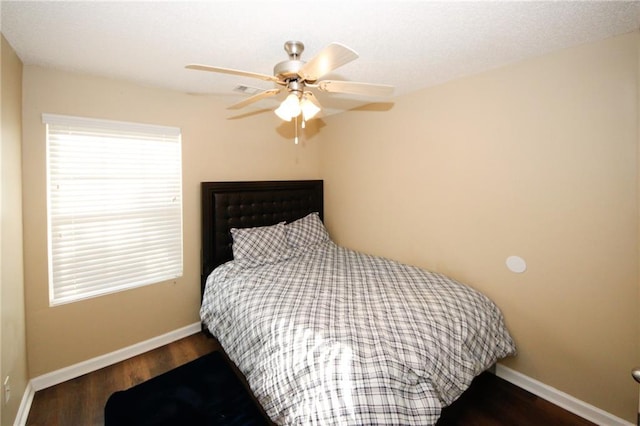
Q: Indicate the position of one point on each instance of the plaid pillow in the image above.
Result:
(306, 231)
(261, 241)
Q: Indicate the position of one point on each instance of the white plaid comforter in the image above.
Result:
(330, 336)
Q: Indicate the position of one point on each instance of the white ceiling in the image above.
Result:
(408, 44)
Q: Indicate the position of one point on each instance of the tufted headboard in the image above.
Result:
(227, 205)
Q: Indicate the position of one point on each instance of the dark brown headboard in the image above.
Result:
(227, 205)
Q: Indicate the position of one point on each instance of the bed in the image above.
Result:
(327, 335)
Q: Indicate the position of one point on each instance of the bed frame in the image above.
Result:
(227, 205)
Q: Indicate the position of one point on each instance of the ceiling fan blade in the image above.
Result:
(331, 57)
(255, 98)
(313, 99)
(355, 88)
(200, 67)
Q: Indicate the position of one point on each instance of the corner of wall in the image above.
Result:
(13, 356)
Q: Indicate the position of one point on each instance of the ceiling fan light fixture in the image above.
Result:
(309, 109)
(289, 108)
(282, 114)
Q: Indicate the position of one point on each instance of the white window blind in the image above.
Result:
(114, 206)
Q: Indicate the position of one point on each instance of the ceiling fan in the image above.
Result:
(297, 76)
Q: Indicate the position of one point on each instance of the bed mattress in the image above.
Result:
(327, 335)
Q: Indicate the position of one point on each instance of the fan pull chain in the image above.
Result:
(296, 125)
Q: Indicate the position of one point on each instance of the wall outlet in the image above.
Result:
(7, 389)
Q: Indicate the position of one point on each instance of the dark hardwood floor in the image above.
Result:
(492, 401)
(81, 401)
(489, 401)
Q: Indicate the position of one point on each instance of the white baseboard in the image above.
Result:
(559, 398)
(84, 367)
(25, 406)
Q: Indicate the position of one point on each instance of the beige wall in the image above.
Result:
(213, 148)
(12, 334)
(537, 159)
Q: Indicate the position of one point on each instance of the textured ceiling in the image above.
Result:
(408, 44)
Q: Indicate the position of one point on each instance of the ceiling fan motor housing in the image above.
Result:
(288, 70)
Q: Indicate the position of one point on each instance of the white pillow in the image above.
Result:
(259, 242)
(306, 231)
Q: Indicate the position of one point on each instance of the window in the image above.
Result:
(114, 193)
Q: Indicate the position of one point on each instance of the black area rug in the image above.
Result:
(203, 392)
